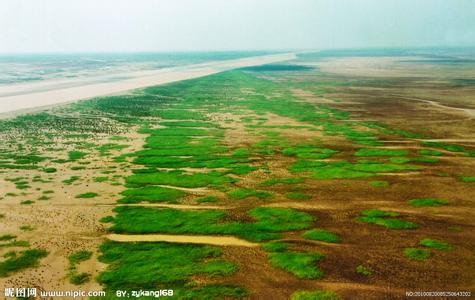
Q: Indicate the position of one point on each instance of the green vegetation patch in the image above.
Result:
(104, 150)
(344, 169)
(241, 152)
(314, 295)
(207, 199)
(15, 243)
(74, 260)
(268, 222)
(170, 265)
(321, 235)
(49, 170)
(435, 244)
(75, 155)
(101, 179)
(297, 196)
(70, 180)
(448, 147)
(379, 183)
(151, 194)
(385, 219)
(275, 246)
(179, 179)
(429, 152)
(404, 160)
(308, 151)
(417, 253)
(23, 260)
(273, 181)
(365, 271)
(428, 202)
(7, 237)
(243, 193)
(380, 152)
(302, 265)
(87, 195)
(467, 178)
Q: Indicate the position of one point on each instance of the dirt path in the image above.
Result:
(468, 111)
(164, 205)
(359, 286)
(185, 239)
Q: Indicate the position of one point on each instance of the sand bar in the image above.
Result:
(26, 97)
(183, 239)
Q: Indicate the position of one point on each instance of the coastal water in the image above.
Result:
(38, 67)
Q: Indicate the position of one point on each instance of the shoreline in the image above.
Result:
(28, 102)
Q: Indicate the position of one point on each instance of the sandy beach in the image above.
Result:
(27, 97)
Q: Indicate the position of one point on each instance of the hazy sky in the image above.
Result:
(161, 25)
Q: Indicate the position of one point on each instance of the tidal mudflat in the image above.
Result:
(316, 178)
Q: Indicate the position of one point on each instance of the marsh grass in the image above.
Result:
(170, 265)
(308, 151)
(416, 253)
(429, 152)
(380, 152)
(379, 183)
(435, 244)
(274, 181)
(314, 295)
(25, 259)
(87, 195)
(385, 219)
(297, 196)
(75, 155)
(346, 170)
(15, 244)
(7, 237)
(101, 179)
(365, 271)
(275, 246)
(467, 178)
(405, 160)
(27, 228)
(302, 265)
(321, 235)
(268, 222)
(71, 180)
(151, 194)
(428, 202)
(207, 199)
(74, 260)
(179, 179)
(243, 193)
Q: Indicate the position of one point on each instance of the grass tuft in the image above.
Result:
(435, 244)
(385, 219)
(243, 193)
(365, 271)
(302, 265)
(314, 295)
(26, 259)
(87, 195)
(275, 246)
(417, 253)
(428, 202)
(321, 235)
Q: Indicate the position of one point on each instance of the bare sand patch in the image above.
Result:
(182, 239)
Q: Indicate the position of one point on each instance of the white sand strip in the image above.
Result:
(24, 97)
(182, 239)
